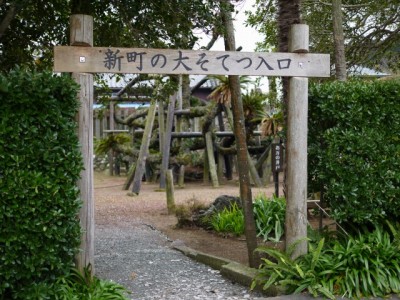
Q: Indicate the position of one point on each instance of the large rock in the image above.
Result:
(219, 204)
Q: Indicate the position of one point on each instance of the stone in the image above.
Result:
(219, 204)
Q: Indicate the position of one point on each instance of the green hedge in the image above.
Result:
(354, 149)
(40, 163)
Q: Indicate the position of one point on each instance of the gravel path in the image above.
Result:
(140, 258)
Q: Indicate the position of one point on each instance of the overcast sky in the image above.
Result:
(244, 36)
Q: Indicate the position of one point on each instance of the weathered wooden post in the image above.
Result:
(112, 127)
(167, 140)
(170, 191)
(144, 149)
(211, 159)
(296, 150)
(181, 178)
(81, 34)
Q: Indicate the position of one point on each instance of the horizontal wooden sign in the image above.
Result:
(168, 61)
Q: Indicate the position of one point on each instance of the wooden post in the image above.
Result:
(223, 160)
(81, 34)
(144, 149)
(161, 124)
(129, 177)
(170, 191)
(111, 152)
(253, 172)
(220, 167)
(181, 179)
(296, 151)
(206, 169)
(178, 122)
(211, 160)
(167, 141)
(267, 168)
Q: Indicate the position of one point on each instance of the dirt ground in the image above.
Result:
(114, 206)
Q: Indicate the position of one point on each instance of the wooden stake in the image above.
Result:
(81, 34)
(211, 160)
(170, 191)
(181, 179)
(206, 169)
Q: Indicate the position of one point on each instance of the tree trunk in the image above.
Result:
(338, 37)
(288, 14)
(240, 134)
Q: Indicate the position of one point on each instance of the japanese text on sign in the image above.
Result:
(112, 60)
(168, 61)
(277, 158)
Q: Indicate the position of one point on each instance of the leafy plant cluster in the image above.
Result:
(104, 145)
(40, 163)
(74, 286)
(230, 220)
(354, 149)
(269, 214)
(362, 265)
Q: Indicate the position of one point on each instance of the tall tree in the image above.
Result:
(30, 28)
(338, 38)
(371, 29)
(240, 134)
(288, 14)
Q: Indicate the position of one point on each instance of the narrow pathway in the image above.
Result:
(140, 258)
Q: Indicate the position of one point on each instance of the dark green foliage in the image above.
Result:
(354, 149)
(40, 163)
(39, 25)
(74, 286)
(363, 265)
(104, 145)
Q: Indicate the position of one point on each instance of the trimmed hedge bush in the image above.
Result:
(354, 149)
(40, 163)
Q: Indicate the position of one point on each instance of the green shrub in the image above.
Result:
(74, 286)
(230, 220)
(363, 265)
(269, 216)
(40, 163)
(354, 149)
